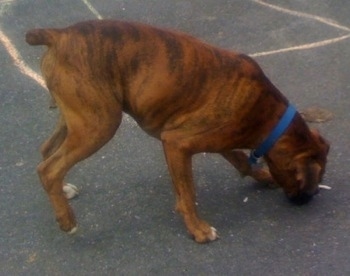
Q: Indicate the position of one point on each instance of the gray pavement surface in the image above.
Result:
(125, 208)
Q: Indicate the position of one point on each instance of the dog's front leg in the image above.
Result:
(240, 161)
(179, 161)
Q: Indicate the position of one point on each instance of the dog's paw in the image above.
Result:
(70, 190)
(213, 234)
(206, 236)
(73, 231)
(263, 176)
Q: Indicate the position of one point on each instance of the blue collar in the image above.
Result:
(276, 133)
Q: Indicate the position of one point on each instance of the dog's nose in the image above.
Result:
(301, 198)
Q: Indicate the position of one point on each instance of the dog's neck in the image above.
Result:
(275, 134)
(297, 139)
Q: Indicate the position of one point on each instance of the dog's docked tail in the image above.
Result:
(41, 36)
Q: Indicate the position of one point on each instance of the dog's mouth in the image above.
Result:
(303, 197)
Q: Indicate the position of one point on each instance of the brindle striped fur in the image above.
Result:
(190, 95)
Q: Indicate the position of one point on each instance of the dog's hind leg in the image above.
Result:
(76, 147)
(56, 139)
(51, 145)
(88, 129)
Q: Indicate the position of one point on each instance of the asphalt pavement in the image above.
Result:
(125, 210)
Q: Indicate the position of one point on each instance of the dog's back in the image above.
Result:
(149, 68)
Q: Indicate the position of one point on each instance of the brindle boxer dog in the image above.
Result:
(190, 95)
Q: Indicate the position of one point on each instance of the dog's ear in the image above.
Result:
(308, 175)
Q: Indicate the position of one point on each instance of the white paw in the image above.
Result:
(70, 191)
(213, 235)
(73, 231)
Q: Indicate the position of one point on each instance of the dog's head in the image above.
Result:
(298, 165)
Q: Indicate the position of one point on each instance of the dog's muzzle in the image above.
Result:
(303, 198)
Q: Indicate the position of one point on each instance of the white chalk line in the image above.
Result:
(324, 20)
(302, 47)
(92, 9)
(18, 60)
